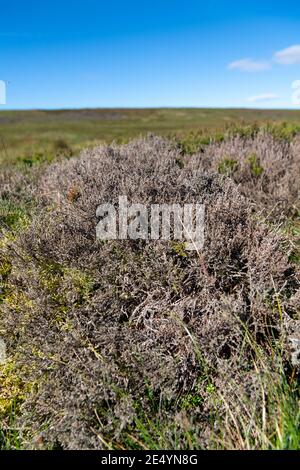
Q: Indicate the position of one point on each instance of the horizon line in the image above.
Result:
(229, 108)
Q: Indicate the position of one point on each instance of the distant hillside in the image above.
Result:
(41, 134)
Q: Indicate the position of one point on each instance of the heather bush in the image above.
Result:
(265, 168)
(16, 198)
(134, 343)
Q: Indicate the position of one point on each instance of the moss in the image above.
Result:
(50, 275)
(13, 389)
(5, 270)
(13, 216)
(13, 392)
(82, 282)
(179, 249)
(18, 300)
(67, 287)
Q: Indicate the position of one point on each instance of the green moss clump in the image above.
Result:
(12, 216)
(13, 389)
(5, 269)
(179, 249)
(67, 287)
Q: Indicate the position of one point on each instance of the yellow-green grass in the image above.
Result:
(32, 136)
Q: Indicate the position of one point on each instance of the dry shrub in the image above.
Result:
(14, 185)
(265, 168)
(107, 332)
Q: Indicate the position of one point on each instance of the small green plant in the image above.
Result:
(255, 166)
(283, 131)
(227, 166)
(195, 141)
(179, 249)
(31, 160)
(243, 130)
(11, 215)
(5, 269)
(10, 438)
(59, 281)
(191, 400)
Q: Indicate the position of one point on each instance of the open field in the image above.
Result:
(32, 136)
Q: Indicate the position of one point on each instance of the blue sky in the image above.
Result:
(65, 54)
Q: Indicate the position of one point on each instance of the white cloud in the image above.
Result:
(262, 97)
(288, 56)
(249, 65)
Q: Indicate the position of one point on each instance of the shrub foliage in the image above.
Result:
(133, 343)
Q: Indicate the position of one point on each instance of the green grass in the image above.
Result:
(227, 166)
(29, 137)
(271, 421)
(10, 438)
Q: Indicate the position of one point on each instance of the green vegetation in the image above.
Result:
(133, 345)
(227, 166)
(12, 215)
(255, 167)
(31, 137)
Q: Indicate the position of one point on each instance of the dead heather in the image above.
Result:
(136, 344)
